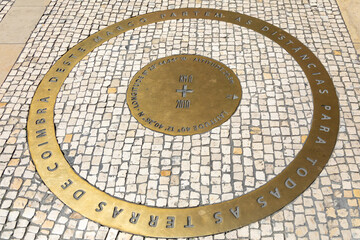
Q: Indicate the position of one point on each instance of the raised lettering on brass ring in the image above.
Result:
(94, 204)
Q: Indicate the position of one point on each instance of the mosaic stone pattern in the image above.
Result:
(5, 6)
(114, 152)
(111, 150)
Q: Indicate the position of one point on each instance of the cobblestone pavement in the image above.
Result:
(110, 149)
(5, 6)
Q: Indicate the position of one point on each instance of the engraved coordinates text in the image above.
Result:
(184, 103)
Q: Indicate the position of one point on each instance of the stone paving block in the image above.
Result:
(18, 24)
(8, 56)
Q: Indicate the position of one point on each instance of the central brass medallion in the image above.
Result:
(183, 94)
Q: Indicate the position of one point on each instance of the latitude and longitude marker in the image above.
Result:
(203, 88)
(184, 91)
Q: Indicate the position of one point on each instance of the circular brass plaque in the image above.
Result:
(94, 204)
(183, 94)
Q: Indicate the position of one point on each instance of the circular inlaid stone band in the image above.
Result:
(94, 204)
(183, 94)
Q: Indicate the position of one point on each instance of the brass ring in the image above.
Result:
(96, 205)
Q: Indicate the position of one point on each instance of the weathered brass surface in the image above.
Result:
(183, 94)
(84, 198)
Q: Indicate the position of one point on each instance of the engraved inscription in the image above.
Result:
(165, 98)
(185, 78)
(182, 103)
